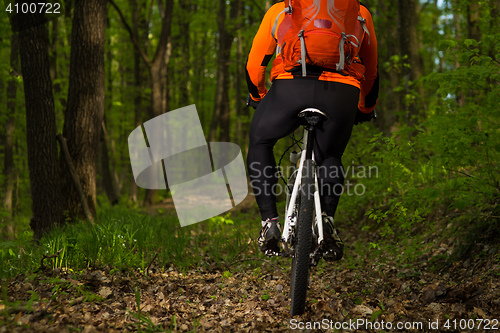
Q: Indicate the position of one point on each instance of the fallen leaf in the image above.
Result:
(480, 312)
(362, 310)
(105, 292)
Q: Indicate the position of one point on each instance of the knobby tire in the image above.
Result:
(302, 249)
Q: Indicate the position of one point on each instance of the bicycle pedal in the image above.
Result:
(331, 255)
(271, 253)
(315, 257)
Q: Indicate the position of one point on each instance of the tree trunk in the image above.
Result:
(53, 51)
(8, 167)
(242, 111)
(105, 153)
(156, 69)
(40, 128)
(186, 8)
(164, 78)
(460, 97)
(74, 177)
(140, 33)
(389, 46)
(408, 19)
(473, 20)
(108, 181)
(151, 196)
(85, 111)
(199, 85)
(495, 16)
(221, 113)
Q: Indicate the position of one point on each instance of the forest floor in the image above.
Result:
(352, 295)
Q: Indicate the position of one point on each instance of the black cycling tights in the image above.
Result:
(276, 117)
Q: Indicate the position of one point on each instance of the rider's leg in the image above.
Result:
(274, 118)
(332, 137)
(340, 105)
(331, 179)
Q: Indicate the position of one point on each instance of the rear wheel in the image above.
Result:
(302, 249)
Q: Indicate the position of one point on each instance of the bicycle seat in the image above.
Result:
(313, 116)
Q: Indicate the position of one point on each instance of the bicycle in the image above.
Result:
(302, 236)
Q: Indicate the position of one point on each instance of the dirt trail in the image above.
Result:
(244, 300)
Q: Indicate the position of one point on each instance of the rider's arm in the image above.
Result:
(368, 53)
(263, 48)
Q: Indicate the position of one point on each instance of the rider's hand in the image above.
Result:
(362, 117)
(251, 102)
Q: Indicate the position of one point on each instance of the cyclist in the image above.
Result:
(346, 99)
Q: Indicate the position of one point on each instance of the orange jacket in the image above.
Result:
(264, 46)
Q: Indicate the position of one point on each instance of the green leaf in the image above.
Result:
(375, 314)
(448, 43)
(470, 42)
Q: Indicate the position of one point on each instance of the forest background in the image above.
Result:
(102, 68)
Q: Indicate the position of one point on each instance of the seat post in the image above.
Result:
(311, 135)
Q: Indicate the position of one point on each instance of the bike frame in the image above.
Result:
(290, 220)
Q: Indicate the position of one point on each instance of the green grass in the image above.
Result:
(128, 239)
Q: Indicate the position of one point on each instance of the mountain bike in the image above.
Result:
(302, 236)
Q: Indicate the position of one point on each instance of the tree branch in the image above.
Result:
(48, 257)
(151, 262)
(166, 24)
(76, 180)
(131, 34)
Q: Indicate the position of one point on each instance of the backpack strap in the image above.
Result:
(303, 52)
(341, 64)
(362, 20)
(287, 10)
